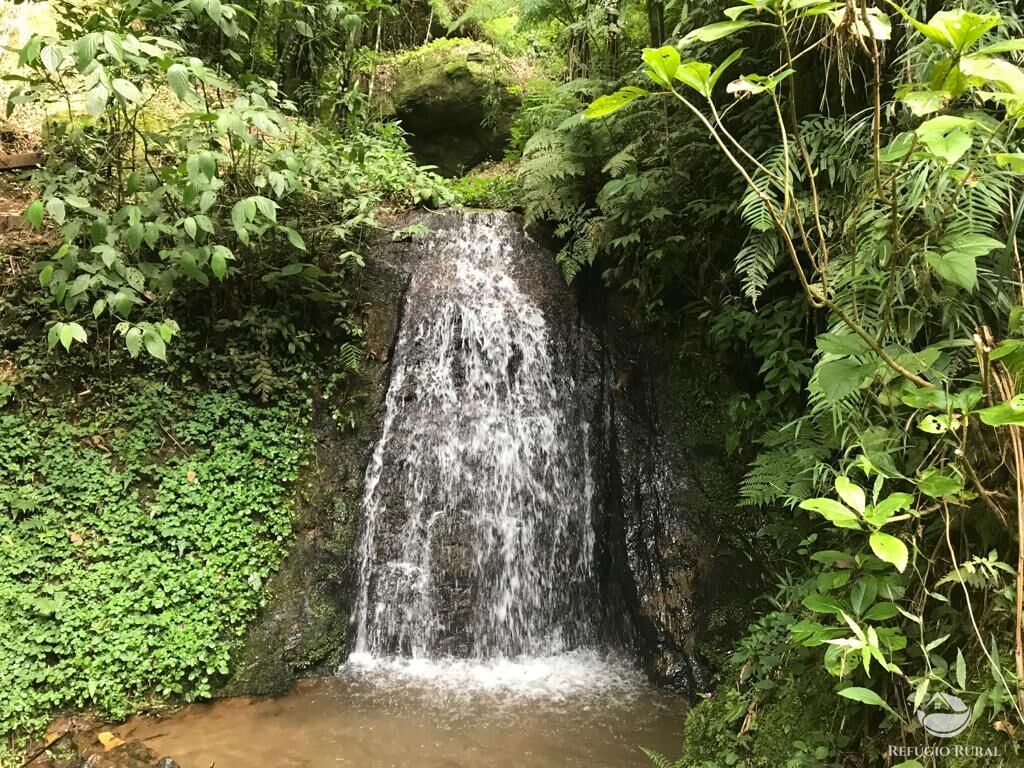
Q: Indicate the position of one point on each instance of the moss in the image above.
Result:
(457, 101)
(795, 723)
(788, 726)
(696, 386)
(710, 730)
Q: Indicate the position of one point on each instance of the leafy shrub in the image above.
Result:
(178, 177)
(487, 189)
(135, 542)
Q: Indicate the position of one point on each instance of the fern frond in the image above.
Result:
(755, 263)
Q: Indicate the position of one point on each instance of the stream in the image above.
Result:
(537, 714)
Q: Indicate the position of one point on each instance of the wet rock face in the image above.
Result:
(685, 543)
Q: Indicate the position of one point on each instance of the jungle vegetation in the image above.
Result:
(826, 194)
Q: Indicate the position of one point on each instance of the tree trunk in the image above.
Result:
(656, 22)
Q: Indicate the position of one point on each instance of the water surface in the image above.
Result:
(546, 713)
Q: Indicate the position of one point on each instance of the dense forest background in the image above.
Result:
(824, 196)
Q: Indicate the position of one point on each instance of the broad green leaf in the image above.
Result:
(881, 612)
(240, 216)
(178, 79)
(96, 100)
(865, 696)
(719, 30)
(52, 56)
(696, 75)
(606, 105)
(958, 264)
(55, 207)
(938, 424)
(266, 206)
(34, 213)
(863, 594)
(956, 29)
(295, 238)
(133, 341)
(851, 493)
(126, 90)
(822, 604)
(889, 506)
(897, 149)
(1008, 77)
(939, 485)
(154, 344)
(133, 237)
(949, 147)
(923, 103)
(961, 669)
(890, 549)
(834, 512)
(1010, 412)
(926, 397)
(833, 557)
(839, 378)
(218, 265)
(662, 64)
(841, 344)
(66, 335)
(1014, 160)
(1003, 46)
(955, 267)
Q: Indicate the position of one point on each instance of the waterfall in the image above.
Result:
(478, 540)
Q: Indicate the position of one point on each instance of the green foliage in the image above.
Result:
(183, 178)
(487, 190)
(136, 541)
(884, 404)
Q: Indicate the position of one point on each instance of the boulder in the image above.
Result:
(456, 99)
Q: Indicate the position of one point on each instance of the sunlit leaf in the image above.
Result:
(890, 549)
(719, 30)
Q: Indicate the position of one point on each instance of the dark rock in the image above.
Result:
(456, 101)
(84, 742)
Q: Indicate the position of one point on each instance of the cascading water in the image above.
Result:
(478, 540)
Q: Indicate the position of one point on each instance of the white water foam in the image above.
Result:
(570, 675)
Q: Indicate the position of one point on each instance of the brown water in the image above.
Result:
(375, 721)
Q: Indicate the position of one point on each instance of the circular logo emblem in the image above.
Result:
(945, 716)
